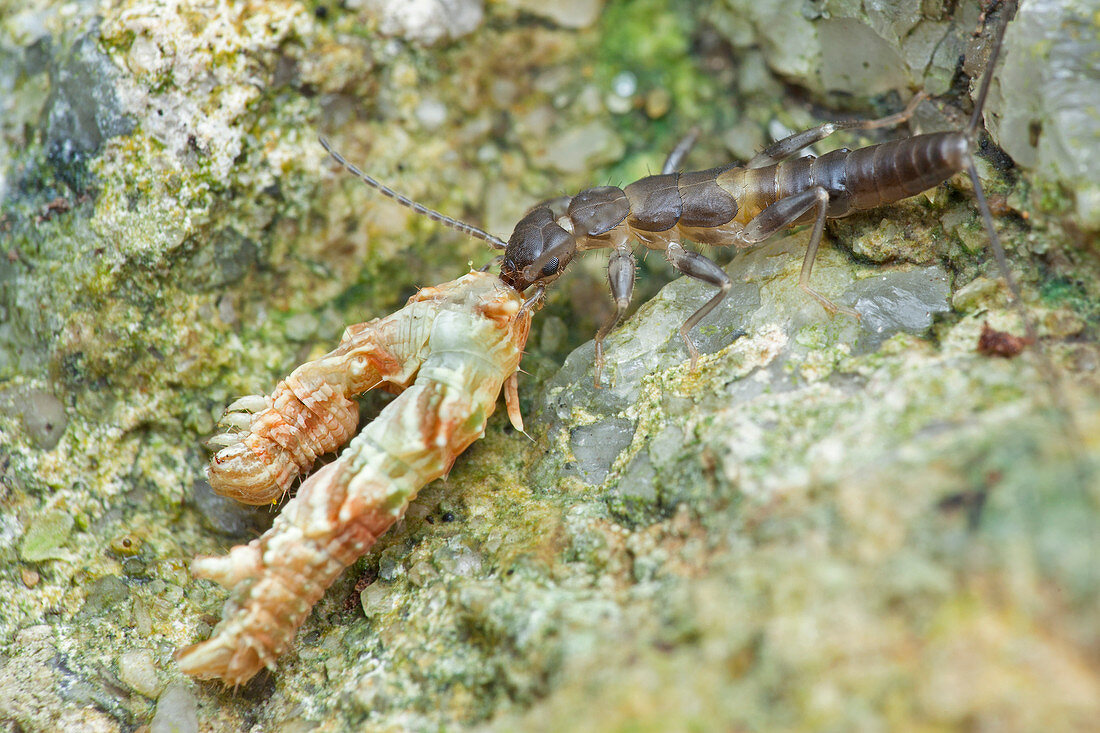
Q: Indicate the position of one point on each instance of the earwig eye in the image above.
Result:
(550, 267)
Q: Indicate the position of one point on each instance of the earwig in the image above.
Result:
(732, 205)
(454, 347)
(742, 206)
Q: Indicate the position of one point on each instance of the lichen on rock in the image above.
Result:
(830, 523)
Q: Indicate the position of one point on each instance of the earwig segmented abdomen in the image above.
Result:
(889, 172)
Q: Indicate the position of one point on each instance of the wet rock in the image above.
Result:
(897, 302)
(1043, 105)
(44, 418)
(46, 537)
(596, 446)
(457, 559)
(226, 516)
(581, 148)
(42, 414)
(858, 60)
(105, 594)
(83, 109)
(221, 260)
(37, 692)
(301, 326)
(567, 14)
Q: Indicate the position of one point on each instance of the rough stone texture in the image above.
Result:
(829, 524)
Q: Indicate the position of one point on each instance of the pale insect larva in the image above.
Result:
(309, 413)
(462, 341)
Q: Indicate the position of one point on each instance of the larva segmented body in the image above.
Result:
(461, 340)
(312, 412)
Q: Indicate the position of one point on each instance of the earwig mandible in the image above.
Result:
(733, 205)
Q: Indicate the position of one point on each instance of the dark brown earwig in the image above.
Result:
(733, 205)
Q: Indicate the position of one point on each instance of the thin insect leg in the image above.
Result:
(782, 214)
(491, 263)
(620, 276)
(675, 159)
(535, 300)
(822, 202)
(791, 144)
(699, 267)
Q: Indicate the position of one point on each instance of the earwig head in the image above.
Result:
(538, 251)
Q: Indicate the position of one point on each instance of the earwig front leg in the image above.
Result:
(699, 267)
(620, 276)
(792, 144)
(491, 263)
(535, 301)
(782, 214)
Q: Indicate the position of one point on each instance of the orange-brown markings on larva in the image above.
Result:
(310, 413)
(460, 342)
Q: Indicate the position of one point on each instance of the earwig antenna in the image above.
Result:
(1044, 363)
(979, 195)
(987, 78)
(461, 226)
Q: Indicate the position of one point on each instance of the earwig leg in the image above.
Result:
(791, 144)
(535, 300)
(808, 261)
(699, 267)
(620, 276)
(675, 159)
(491, 263)
(782, 214)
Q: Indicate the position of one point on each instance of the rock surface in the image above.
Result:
(828, 524)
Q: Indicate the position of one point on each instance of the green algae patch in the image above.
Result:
(47, 536)
(817, 528)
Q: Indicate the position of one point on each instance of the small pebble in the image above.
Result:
(138, 670)
(301, 326)
(431, 113)
(44, 418)
(564, 13)
(427, 21)
(581, 149)
(30, 577)
(657, 103)
(177, 711)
